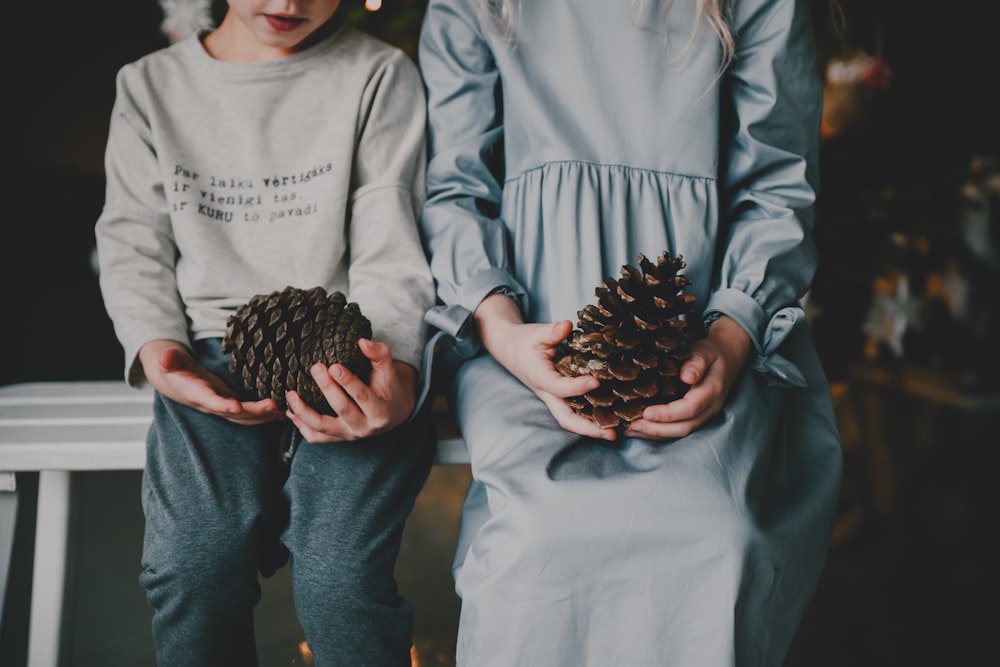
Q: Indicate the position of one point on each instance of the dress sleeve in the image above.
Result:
(466, 239)
(772, 100)
(135, 243)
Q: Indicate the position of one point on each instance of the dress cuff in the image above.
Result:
(767, 335)
(741, 308)
(477, 287)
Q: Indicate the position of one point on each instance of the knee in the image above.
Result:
(204, 570)
(342, 584)
(554, 533)
(336, 562)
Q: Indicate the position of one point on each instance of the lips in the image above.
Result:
(283, 23)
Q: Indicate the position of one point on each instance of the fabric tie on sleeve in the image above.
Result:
(454, 331)
(454, 321)
(780, 372)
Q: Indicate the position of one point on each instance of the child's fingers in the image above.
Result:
(573, 422)
(663, 431)
(314, 427)
(562, 386)
(350, 385)
(371, 413)
(683, 409)
(330, 382)
(680, 417)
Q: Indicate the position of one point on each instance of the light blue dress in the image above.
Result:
(590, 132)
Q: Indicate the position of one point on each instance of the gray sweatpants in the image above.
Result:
(217, 502)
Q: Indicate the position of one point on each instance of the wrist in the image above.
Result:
(408, 375)
(495, 314)
(729, 335)
(150, 352)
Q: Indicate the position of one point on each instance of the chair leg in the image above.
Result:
(49, 580)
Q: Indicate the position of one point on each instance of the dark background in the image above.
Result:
(916, 142)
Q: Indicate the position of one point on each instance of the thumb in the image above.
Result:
(693, 369)
(377, 353)
(174, 359)
(557, 332)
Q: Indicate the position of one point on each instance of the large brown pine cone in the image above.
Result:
(634, 340)
(275, 338)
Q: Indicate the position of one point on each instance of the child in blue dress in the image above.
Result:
(566, 137)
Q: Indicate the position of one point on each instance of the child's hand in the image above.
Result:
(527, 350)
(174, 373)
(363, 410)
(715, 362)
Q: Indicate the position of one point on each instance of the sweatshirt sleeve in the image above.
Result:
(135, 245)
(772, 107)
(466, 239)
(389, 276)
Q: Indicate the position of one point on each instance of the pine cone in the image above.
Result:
(275, 338)
(634, 340)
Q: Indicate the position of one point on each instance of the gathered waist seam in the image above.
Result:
(623, 167)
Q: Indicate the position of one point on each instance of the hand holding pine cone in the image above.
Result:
(275, 338)
(634, 340)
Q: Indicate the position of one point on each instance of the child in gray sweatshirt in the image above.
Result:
(281, 149)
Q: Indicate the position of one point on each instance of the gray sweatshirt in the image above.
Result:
(226, 180)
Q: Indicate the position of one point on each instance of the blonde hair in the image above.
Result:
(713, 14)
